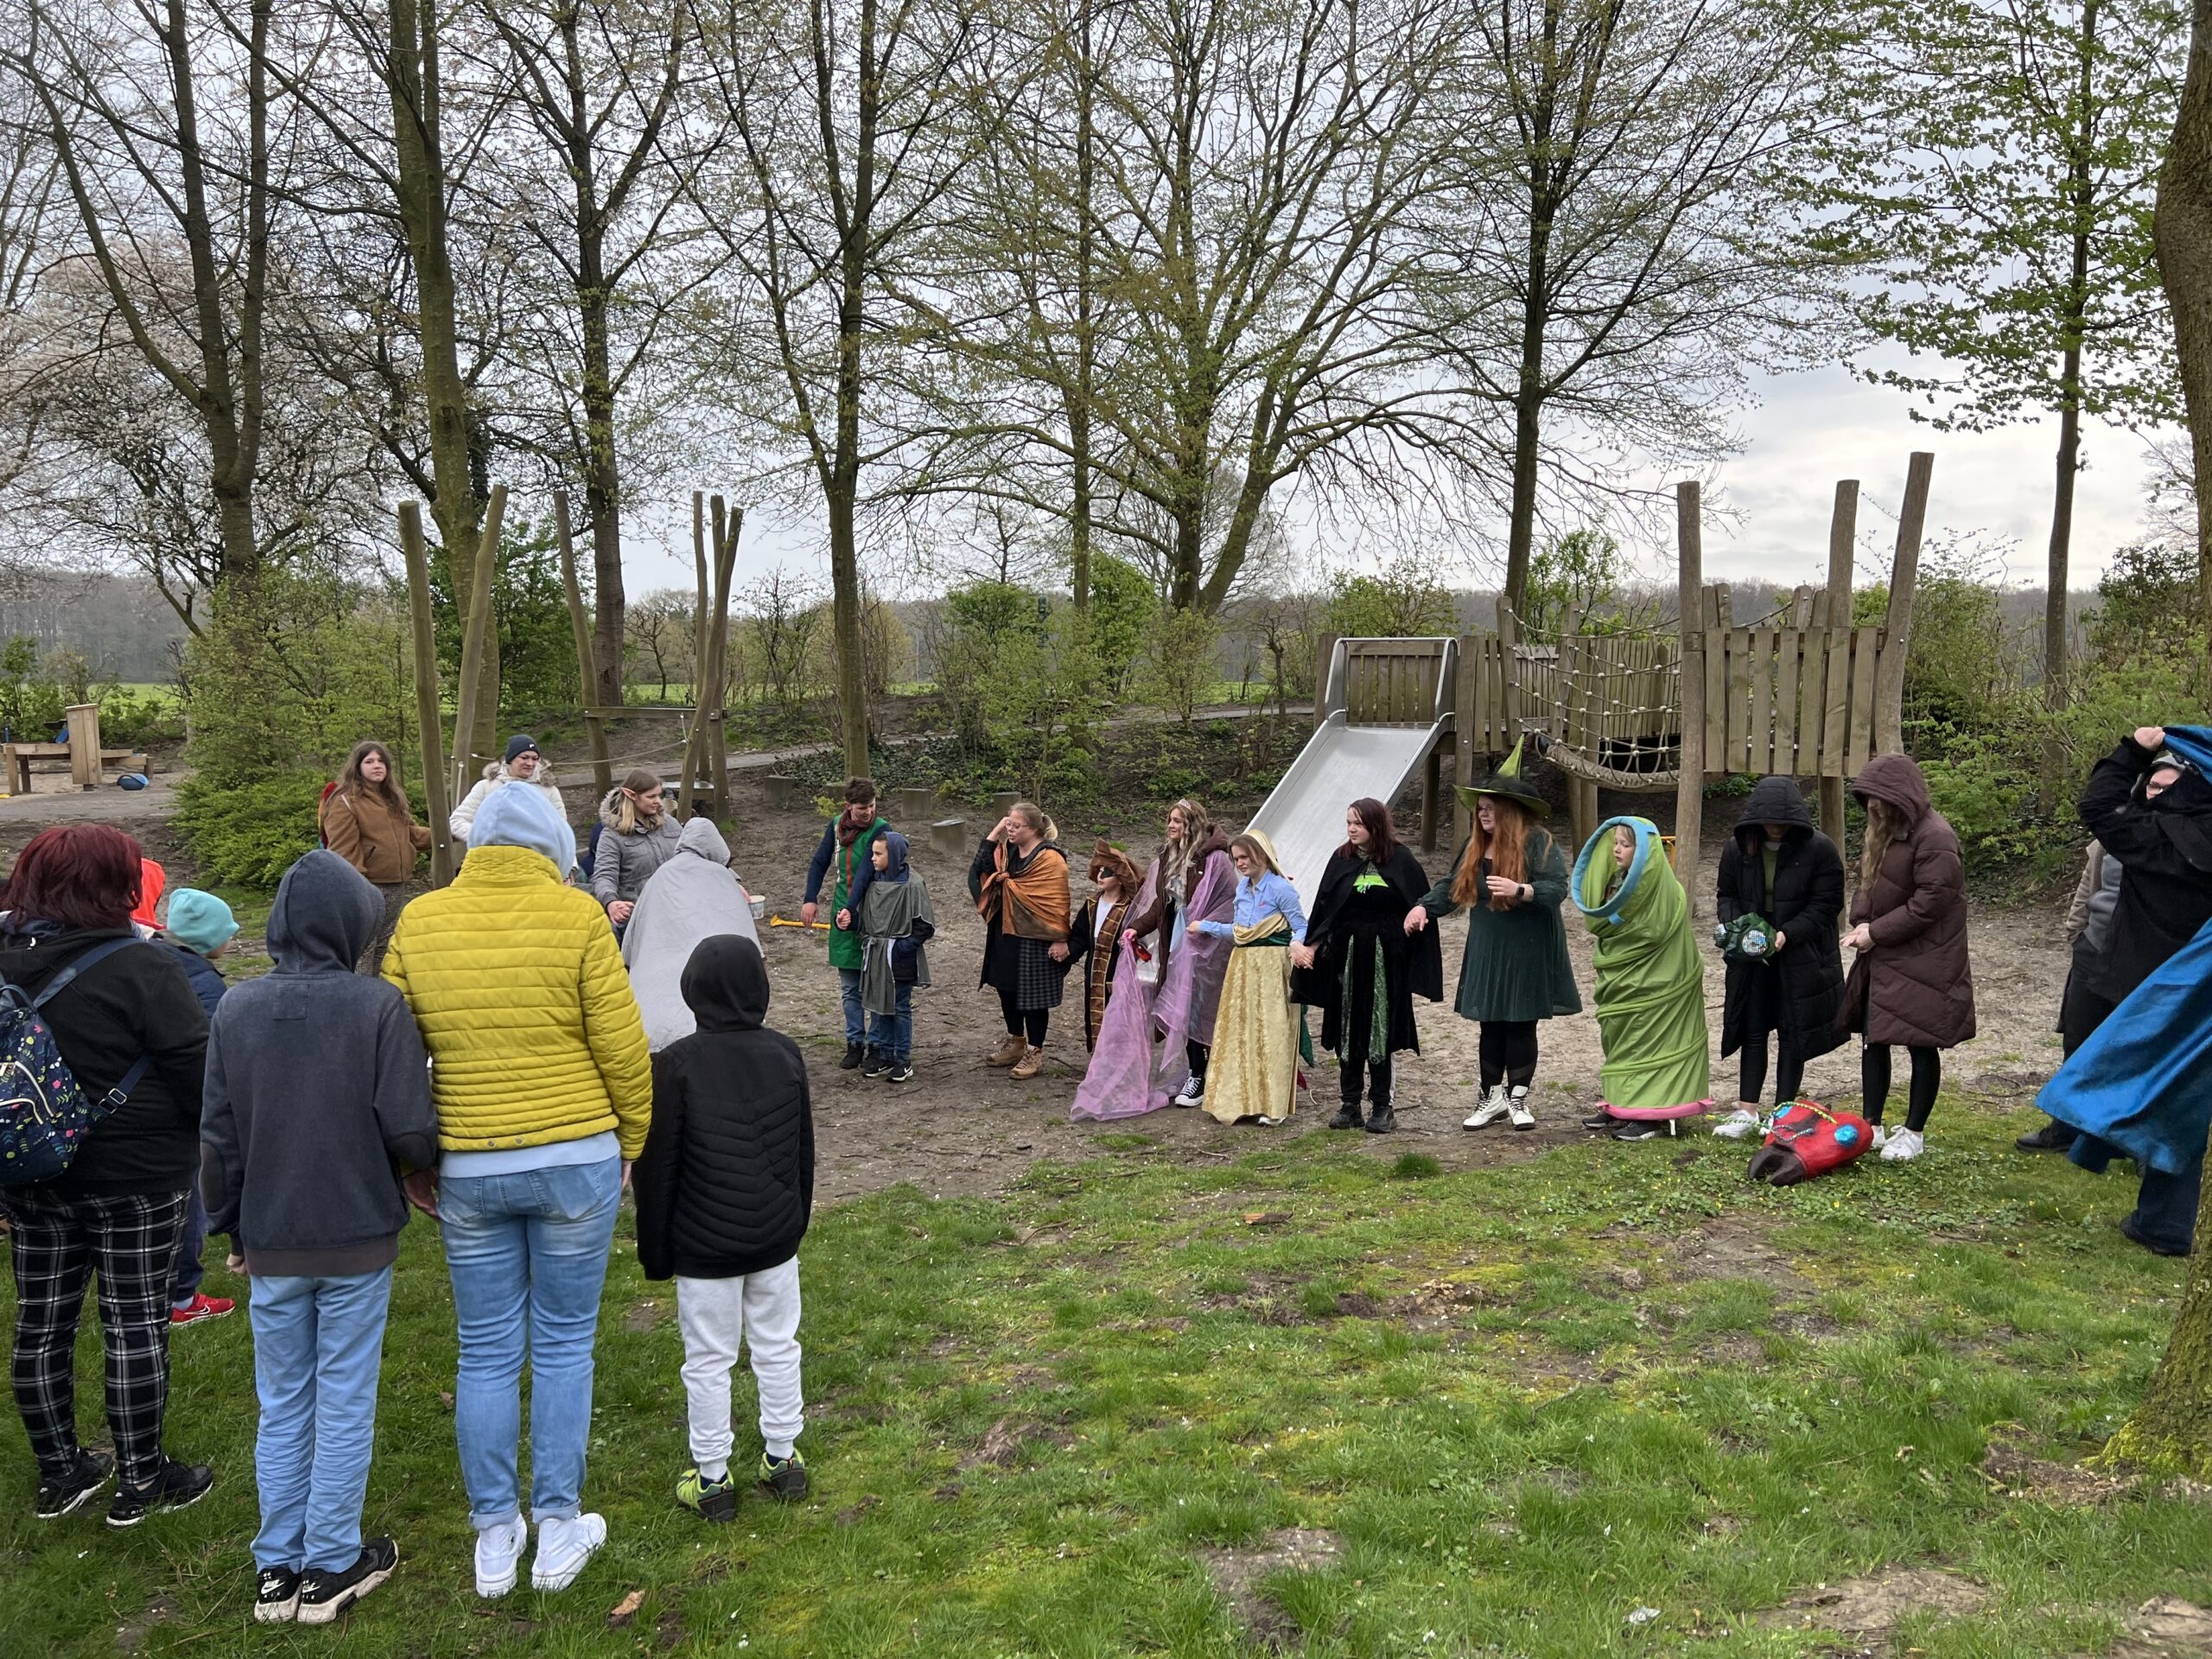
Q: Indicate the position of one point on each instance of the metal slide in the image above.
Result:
(1304, 817)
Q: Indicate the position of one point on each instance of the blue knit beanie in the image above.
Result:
(520, 815)
(199, 921)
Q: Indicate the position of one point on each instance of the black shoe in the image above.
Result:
(58, 1498)
(1632, 1129)
(1347, 1117)
(2054, 1137)
(855, 1054)
(875, 1063)
(275, 1596)
(784, 1478)
(1598, 1122)
(900, 1071)
(2134, 1230)
(178, 1486)
(1383, 1121)
(325, 1595)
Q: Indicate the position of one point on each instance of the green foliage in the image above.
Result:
(1122, 605)
(30, 703)
(529, 608)
(134, 719)
(2148, 606)
(1179, 660)
(979, 621)
(247, 834)
(1573, 584)
(1403, 600)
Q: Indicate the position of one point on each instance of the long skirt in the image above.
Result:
(1254, 1070)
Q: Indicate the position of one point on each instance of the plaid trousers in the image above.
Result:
(58, 1242)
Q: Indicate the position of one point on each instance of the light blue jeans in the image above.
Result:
(528, 1257)
(318, 1345)
(894, 1033)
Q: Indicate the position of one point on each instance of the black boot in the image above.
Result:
(1383, 1095)
(1382, 1120)
(2054, 1137)
(855, 1054)
(1347, 1115)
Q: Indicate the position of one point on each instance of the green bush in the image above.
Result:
(248, 835)
(128, 720)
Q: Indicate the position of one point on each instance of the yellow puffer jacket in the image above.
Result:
(518, 986)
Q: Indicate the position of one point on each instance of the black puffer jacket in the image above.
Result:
(137, 1001)
(1799, 993)
(726, 1183)
(2165, 849)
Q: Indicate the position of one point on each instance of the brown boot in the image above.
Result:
(1007, 1052)
(1032, 1062)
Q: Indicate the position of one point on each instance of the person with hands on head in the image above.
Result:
(1512, 877)
(1361, 965)
(843, 857)
(1913, 982)
(543, 1078)
(1018, 880)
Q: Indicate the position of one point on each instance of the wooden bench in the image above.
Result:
(16, 759)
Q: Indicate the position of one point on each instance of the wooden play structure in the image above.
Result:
(1802, 691)
(88, 763)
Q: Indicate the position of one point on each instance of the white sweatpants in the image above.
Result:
(717, 1316)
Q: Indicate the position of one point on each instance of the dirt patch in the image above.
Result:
(641, 1316)
(2013, 1472)
(1237, 1575)
(1005, 1441)
(2168, 1627)
(1731, 1248)
(1442, 1304)
(131, 1634)
(1870, 1608)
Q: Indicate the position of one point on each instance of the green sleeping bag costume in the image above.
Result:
(1651, 995)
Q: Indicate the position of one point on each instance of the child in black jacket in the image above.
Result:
(724, 1189)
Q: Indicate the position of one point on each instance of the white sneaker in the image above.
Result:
(564, 1547)
(1903, 1146)
(498, 1554)
(1738, 1124)
(1193, 1091)
(1494, 1107)
(1517, 1106)
(1881, 1137)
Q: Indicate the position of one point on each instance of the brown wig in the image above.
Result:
(1381, 834)
(1506, 849)
(391, 792)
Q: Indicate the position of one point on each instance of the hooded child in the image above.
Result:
(318, 1093)
(896, 925)
(695, 896)
(1258, 1032)
(1651, 981)
(841, 858)
(724, 1188)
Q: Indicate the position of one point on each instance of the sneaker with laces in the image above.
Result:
(1903, 1146)
(276, 1595)
(564, 1547)
(65, 1493)
(710, 1500)
(1516, 1107)
(1635, 1128)
(1881, 1137)
(876, 1064)
(200, 1310)
(1738, 1124)
(325, 1594)
(1193, 1091)
(1031, 1063)
(499, 1557)
(900, 1071)
(1493, 1107)
(1600, 1121)
(177, 1486)
(784, 1478)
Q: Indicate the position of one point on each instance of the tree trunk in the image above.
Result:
(457, 502)
(2172, 1427)
(1529, 393)
(2081, 191)
(842, 486)
(602, 493)
(1085, 348)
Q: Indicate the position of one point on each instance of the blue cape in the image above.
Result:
(2143, 1082)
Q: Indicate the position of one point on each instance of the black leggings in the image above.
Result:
(1353, 1073)
(1508, 1050)
(1027, 1023)
(1874, 1083)
(1788, 1072)
(1197, 1054)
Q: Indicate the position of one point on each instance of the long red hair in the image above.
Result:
(1507, 849)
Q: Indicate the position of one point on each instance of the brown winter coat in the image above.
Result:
(379, 839)
(1915, 985)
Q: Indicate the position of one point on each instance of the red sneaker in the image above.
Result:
(200, 1310)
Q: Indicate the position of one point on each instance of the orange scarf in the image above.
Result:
(1031, 903)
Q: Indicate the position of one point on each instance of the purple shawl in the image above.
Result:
(1127, 1077)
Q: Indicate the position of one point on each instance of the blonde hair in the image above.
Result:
(639, 781)
(1034, 816)
(1253, 845)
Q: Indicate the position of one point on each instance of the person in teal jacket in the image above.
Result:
(845, 856)
(1511, 875)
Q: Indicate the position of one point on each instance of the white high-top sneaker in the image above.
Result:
(564, 1547)
(498, 1553)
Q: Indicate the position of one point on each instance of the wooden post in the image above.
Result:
(717, 751)
(435, 801)
(1431, 793)
(695, 731)
(603, 770)
(84, 720)
(1689, 787)
(1905, 571)
(1843, 542)
(472, 644)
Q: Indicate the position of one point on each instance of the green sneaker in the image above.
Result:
(710, 1500)
(784, 1478)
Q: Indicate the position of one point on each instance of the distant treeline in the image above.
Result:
(119, 625)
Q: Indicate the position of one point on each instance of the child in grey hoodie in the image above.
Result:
(317, 1091)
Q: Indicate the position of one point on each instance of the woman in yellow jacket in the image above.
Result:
(543, 1085)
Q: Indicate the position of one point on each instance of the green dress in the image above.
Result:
(1515, 967)
(1651, 993)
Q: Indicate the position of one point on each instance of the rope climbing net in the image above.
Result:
(1608, 705)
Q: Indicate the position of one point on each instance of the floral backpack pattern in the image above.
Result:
(45, 1113)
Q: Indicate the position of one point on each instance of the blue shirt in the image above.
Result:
(1271, 895)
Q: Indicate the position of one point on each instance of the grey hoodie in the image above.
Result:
(317, 1088)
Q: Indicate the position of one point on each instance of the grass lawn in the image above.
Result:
(1525, 1404)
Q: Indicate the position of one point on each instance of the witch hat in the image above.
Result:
(1508, 783)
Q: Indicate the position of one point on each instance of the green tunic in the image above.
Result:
(846, 949)
(1516, 965)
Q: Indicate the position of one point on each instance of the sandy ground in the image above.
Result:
(963, 1127)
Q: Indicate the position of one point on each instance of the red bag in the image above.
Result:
(328, 790)
(1806, 1141)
